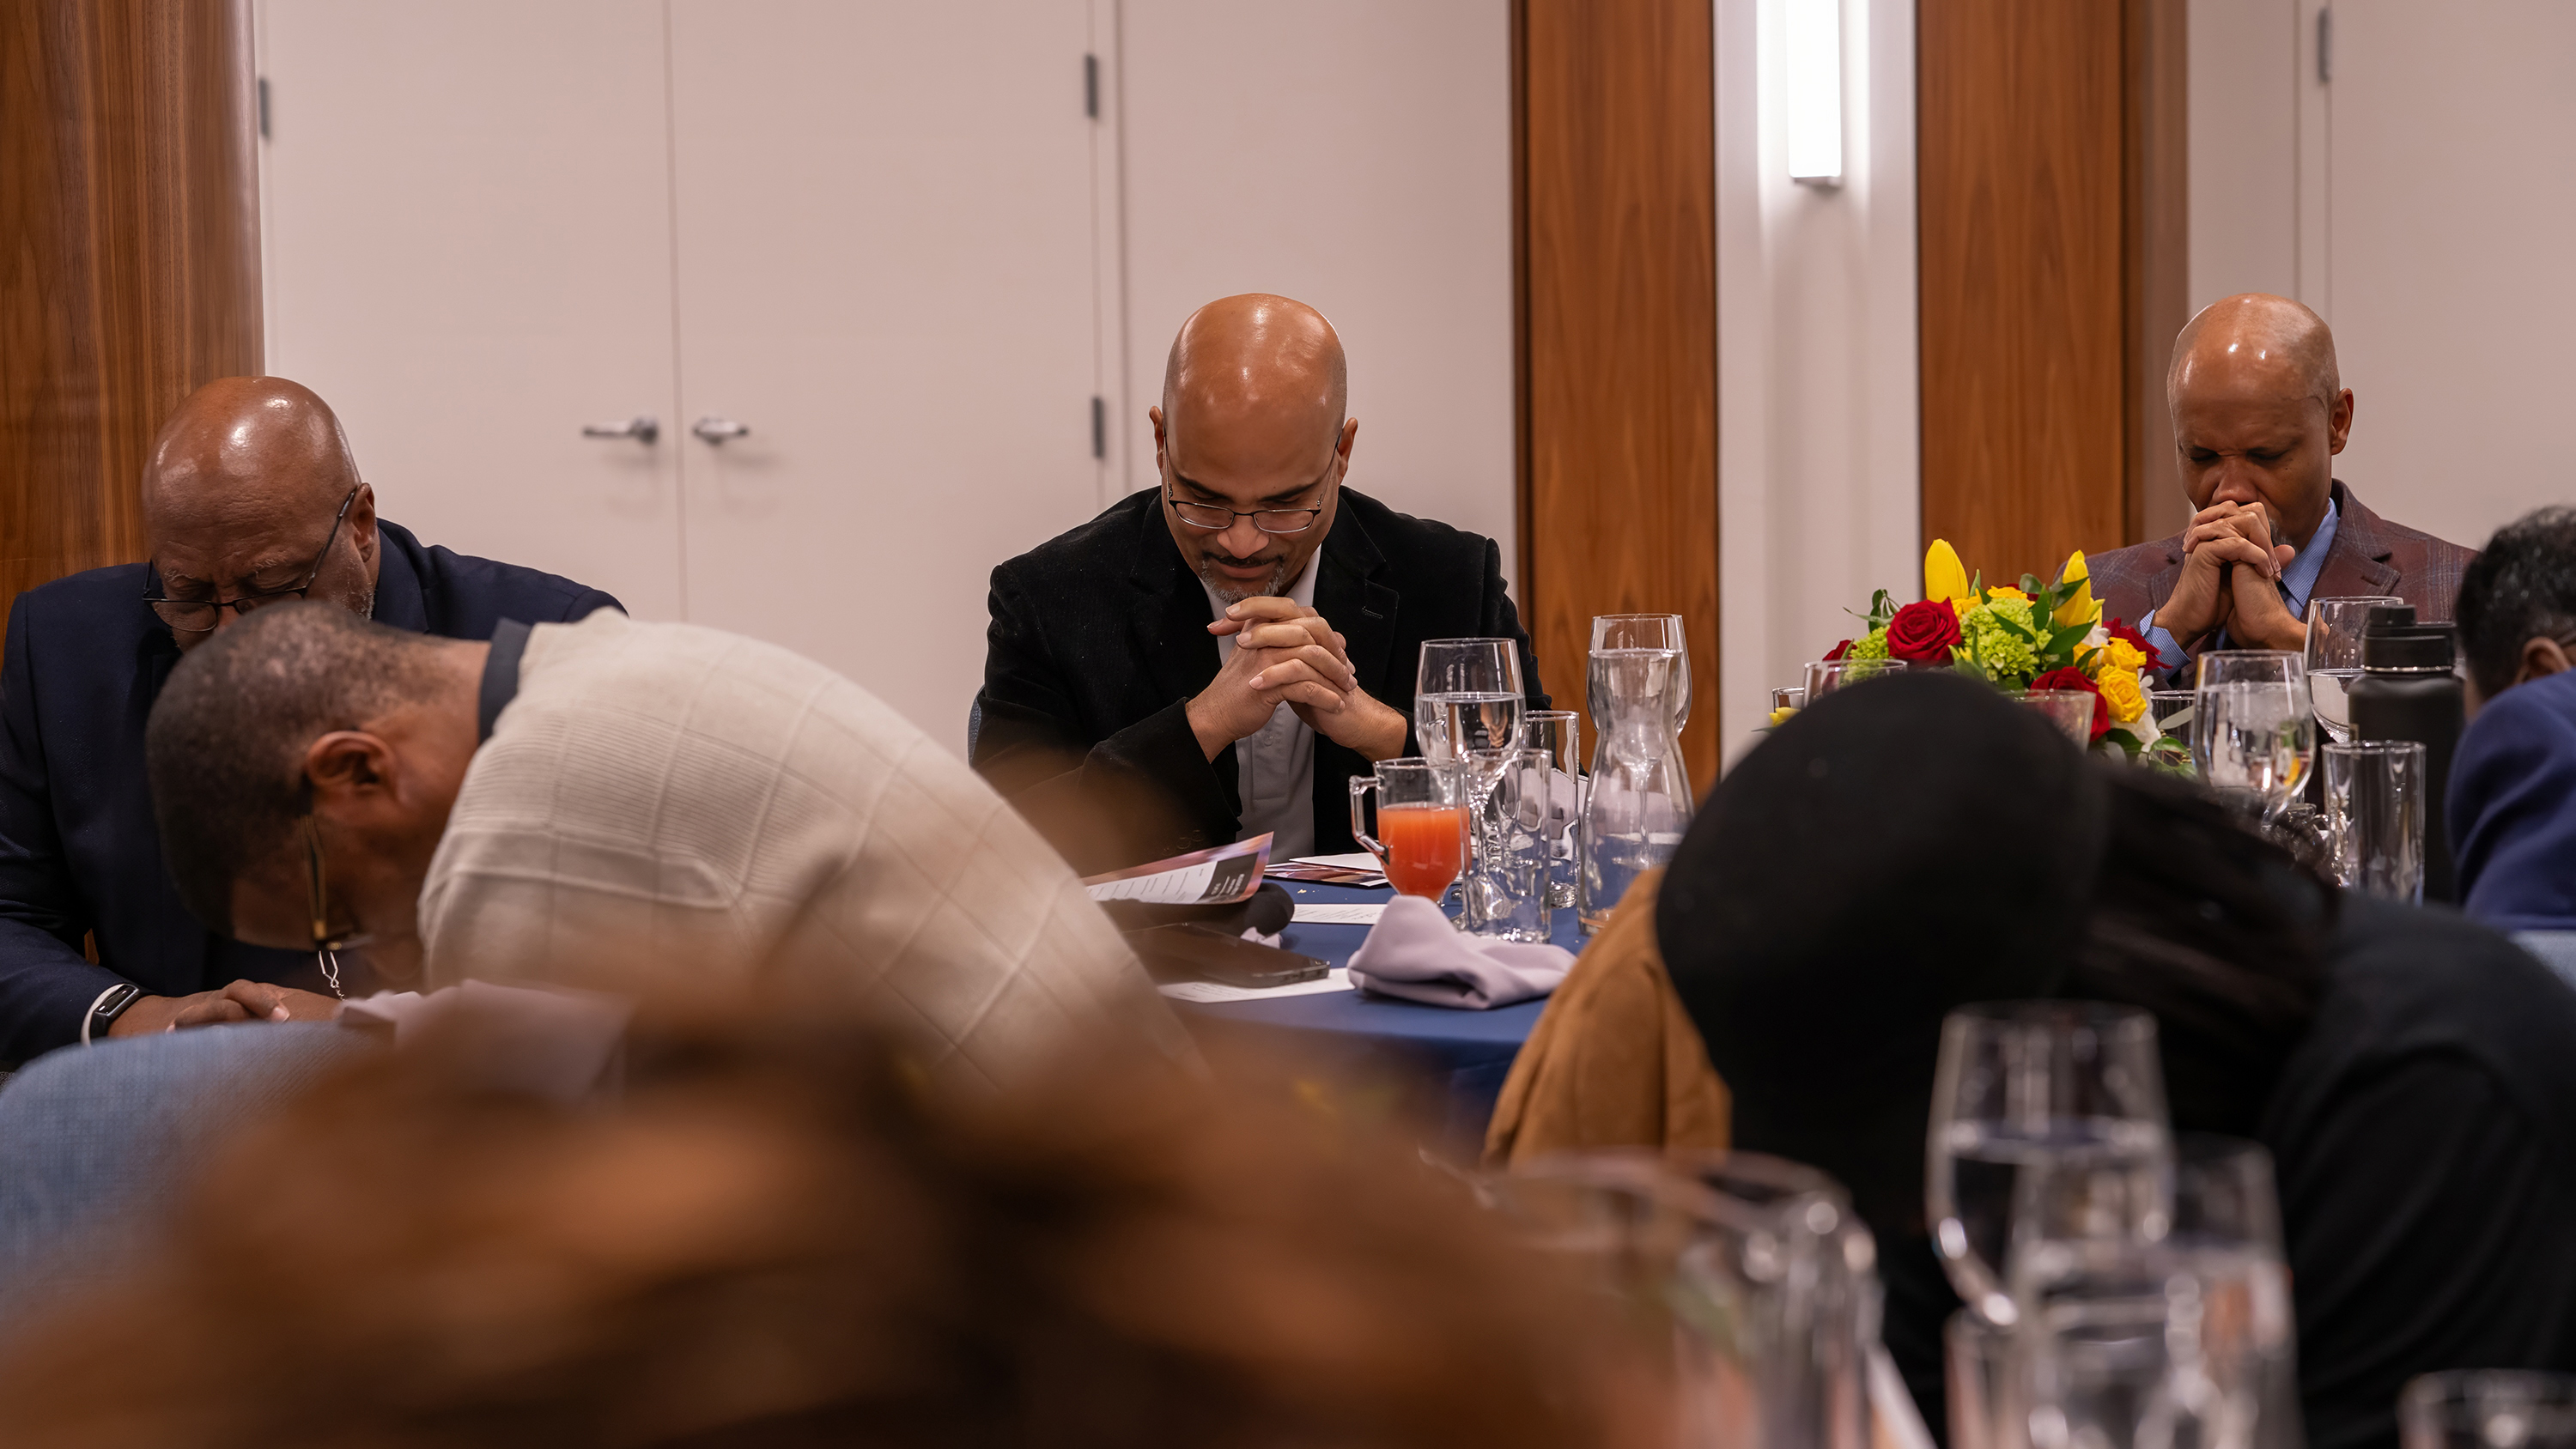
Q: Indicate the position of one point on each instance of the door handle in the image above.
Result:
(641, 429)
(716, 430)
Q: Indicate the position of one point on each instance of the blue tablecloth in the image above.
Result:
(1454, 1062)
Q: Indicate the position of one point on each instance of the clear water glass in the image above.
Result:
(1827, 675)
(2488, 1409)
(2071, 710)
(2374, 816)
(2171, 710)
(2048, 1124)
(2253, 730)
(1477, 670)
(1559, 732)
(1649, 631)
(1506, 886)
(2335, 627)
(1792, 696)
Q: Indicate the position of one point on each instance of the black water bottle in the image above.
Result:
(2409, 689)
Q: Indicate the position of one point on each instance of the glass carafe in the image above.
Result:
(1639, 800)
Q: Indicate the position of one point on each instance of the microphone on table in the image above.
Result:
(1270, 910)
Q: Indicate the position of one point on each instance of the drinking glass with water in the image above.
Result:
(2335, 627)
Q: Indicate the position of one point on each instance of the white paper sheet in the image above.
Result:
(1356, 860)
(1210, 991)
(1220, 875)
(1362, 914)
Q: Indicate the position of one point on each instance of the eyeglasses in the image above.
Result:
(327, 946)
(199, 616)
(1212, 516)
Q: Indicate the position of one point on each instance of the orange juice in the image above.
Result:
(1426, 846)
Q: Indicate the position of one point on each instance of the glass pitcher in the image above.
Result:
(1639, 801)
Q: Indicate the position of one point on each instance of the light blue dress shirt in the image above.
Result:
(2297, 582)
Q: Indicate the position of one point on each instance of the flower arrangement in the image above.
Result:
(2036, 636)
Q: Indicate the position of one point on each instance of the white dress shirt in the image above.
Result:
(1274, 767)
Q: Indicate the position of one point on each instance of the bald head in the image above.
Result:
(242, 493)
(2259, 337)
(2259, 410)
(1255, 416)
(1257, 356)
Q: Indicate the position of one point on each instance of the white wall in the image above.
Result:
(1818, 428)
(2419, 196)
(1356, 156)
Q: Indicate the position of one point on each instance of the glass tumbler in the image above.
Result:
(2488, 1409)
(2375, 816)
(1507, 877)
(1559, 732)
(2071, 710)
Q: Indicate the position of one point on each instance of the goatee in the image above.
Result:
(1230, 591)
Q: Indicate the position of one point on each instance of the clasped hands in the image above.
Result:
(2245, 600)
(1286, 653)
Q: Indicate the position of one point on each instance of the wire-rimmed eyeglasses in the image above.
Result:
(1213, 516)
(199, 616)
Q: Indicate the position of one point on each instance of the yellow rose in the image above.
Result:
(2007, 593)
(2118, 656)
(2121, 694)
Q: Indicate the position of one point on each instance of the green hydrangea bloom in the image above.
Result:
(1999, 634)
(1872, 645)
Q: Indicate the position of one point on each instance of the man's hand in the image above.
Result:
(1359, 722)
(2209, 594)
(1290, 651)
(241, 1001)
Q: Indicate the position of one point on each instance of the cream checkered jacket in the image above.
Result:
(665, 807)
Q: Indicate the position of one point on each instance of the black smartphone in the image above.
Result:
(1210, 954)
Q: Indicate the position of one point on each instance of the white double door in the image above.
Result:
(864, 233)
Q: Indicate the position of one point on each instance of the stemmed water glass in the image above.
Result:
(1467, 706)
(2335, 627)
(2253, 732)
(2048, 1125)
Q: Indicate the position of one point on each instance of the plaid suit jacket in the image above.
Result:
(2370, 555)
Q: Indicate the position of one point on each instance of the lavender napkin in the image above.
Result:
(1413, 952)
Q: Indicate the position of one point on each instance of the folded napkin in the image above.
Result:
(1413, 952)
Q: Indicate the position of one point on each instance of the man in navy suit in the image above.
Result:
(251, 497)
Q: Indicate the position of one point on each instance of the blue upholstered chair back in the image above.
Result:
(97, 1142)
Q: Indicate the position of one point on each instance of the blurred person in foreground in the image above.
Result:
(771, 1235)
(1907, 848)
(1216, 657)
(2512, 799)
(2259, 412)
(627, 806)
(251, 497)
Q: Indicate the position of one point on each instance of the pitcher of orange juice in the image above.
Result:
(1421, 834)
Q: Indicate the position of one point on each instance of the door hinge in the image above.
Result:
(1100, 427)
(2325, 44)
(1091, 86)
(263, 108)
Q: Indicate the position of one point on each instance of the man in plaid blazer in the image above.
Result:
(2259, 411)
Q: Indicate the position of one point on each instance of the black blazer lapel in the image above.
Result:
(1363, 610)
(1174, 650)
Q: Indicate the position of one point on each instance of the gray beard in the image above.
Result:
(1229, 592)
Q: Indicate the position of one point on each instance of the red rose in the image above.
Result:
(1838, 651)
(2073, 678)
(2119, 629)
(1924, 633)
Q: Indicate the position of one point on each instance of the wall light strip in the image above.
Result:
(1815, 90)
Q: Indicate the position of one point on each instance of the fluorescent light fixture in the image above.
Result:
(1815, 90)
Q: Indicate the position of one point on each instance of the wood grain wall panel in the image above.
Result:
(2019, 170)
(2156, 259)
(129, 256)
(1617, 269)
